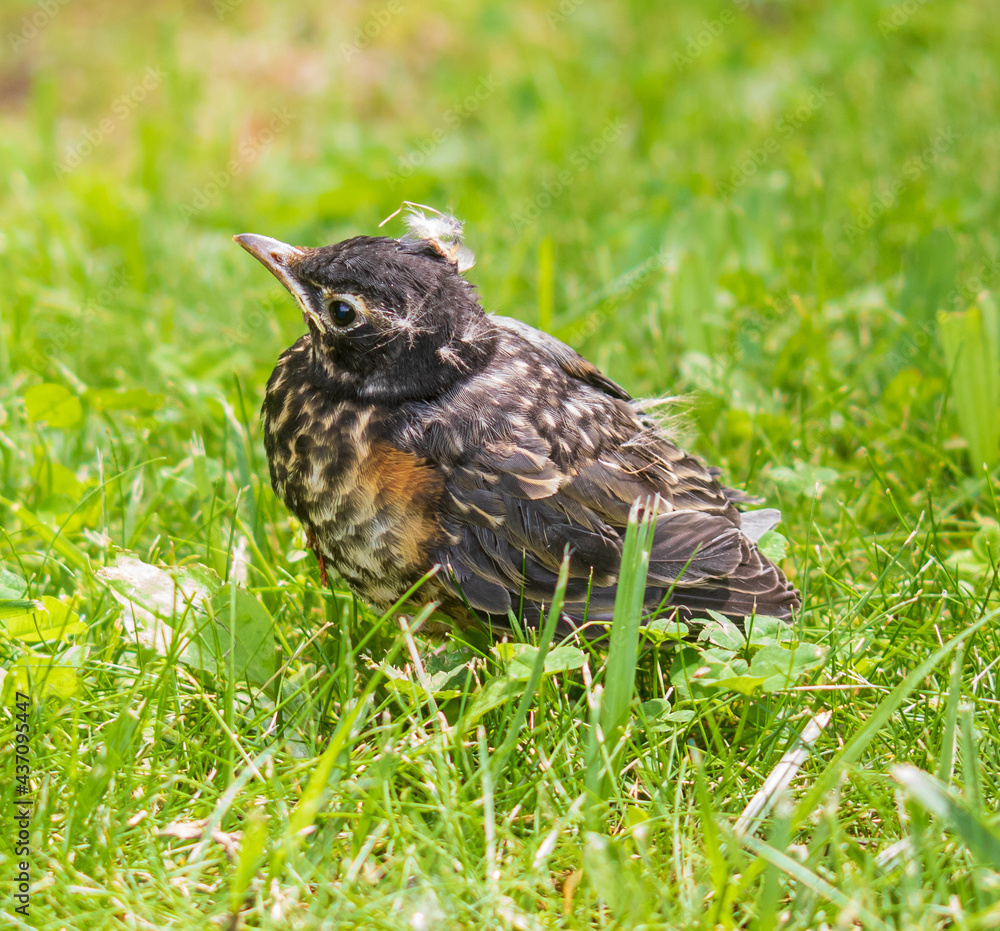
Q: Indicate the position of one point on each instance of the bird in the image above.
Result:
(417, 437)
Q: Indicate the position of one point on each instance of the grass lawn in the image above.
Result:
(784, 213)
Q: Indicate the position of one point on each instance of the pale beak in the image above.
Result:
(277, 257)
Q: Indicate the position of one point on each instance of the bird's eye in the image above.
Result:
(342, 313)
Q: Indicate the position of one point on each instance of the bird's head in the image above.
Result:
(389, 319)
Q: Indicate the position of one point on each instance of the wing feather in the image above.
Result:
(517, 503)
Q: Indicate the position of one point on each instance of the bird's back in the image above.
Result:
(539, 452)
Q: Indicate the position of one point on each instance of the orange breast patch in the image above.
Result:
(408, 490)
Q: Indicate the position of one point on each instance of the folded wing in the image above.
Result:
(515, 505)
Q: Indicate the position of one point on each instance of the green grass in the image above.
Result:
(764, 208)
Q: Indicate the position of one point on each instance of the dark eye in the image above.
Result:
(342, 313)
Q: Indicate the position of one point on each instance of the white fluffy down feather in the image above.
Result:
(443, 231)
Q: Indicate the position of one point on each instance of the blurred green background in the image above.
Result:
(760, 206)
(311, 121)
(785, 213)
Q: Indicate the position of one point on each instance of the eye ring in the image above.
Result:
(342, 312)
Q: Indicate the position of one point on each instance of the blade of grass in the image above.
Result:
(306, 810)
(781, 776)
(946, 761)
(933, 795)
(546, 283)
(857, 745)
(714, 850)
(623, 650)
(970, 760)
(971, 342)
(499, 760)
(811, 881)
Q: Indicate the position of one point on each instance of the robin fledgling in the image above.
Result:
(410, 429)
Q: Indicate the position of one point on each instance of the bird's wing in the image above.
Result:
(508, 527)
(511, 513)
(569, 360)
(528, 491)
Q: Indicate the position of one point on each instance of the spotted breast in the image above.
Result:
(371, 507)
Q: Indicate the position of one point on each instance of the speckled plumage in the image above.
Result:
(425, 432)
